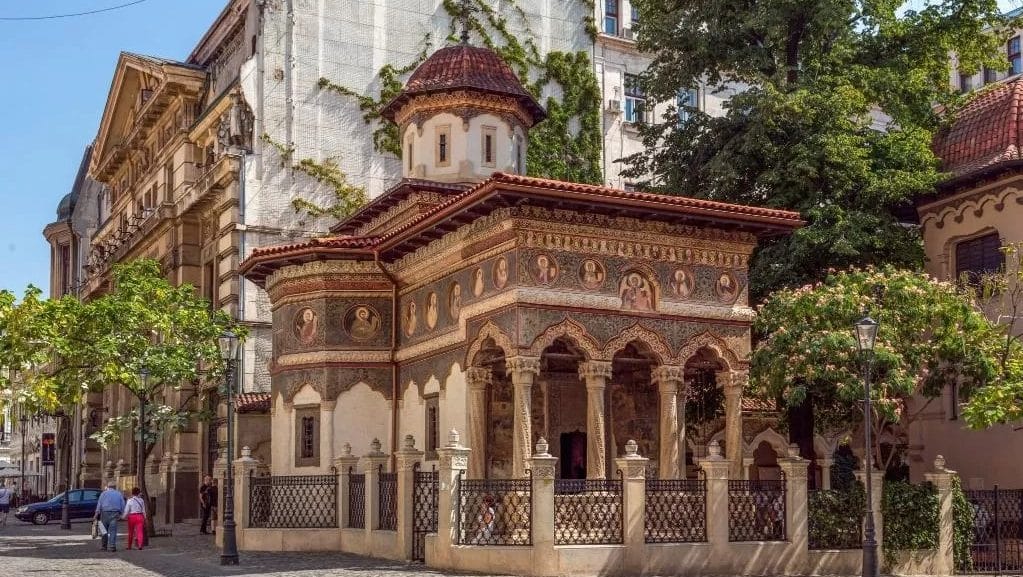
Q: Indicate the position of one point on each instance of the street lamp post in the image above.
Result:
(866, 334)
(23, 421)
(65, 506)
(140, 458)
(228, 342)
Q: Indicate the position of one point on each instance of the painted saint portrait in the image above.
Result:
(501, 272)
(682, 283)
(455, 301)
(477, 282)
(545, 270)
(637, 293)
(362, 323)
(431, 310)
(306, 326)
(411, 318)
(727, 287)
(591, 274)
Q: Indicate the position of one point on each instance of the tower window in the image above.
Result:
(307, 436)
(519, 161)
(443, 146)
(432, 425)
(489, 134)
(409, 154)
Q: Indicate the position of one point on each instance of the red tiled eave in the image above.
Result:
(252, 403)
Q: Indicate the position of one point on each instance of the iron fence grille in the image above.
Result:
(835, 518)
(293, 502)
(756, 510)
(676, 511)
(588, 511)
(997, 544)
(356, 500)
(388, 501)
(425, 496)
(495, 511)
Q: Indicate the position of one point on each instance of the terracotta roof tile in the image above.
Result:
(755, 405)
(986, 131)
(252, 403)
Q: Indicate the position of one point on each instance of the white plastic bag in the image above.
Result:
(101, 528)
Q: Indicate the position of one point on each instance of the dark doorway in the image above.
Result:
(573, 455)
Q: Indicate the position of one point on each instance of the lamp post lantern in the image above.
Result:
(866, 335)
(228, 342)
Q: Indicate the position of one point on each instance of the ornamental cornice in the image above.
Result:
(431, 104)
(282, 297)
(973, 204)
(412, 200)
(319, 357)
(413, 263)
(340, 269)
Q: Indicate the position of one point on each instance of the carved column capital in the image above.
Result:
(521, 368)
(597, 372)
(732, 382)
(478, 377)
(668, 374)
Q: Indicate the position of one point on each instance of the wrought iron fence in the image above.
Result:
(588, 511)
(495, 511)
(676, 511)
(356, 500)
(293, 502)
(997, 544)
(835, 518)
(388, 501)
(425, 496)
(756, 510)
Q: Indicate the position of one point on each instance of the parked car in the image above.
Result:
(81, 505)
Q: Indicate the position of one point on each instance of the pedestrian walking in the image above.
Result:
(5, 503)
(108, 511)
(207, 502)
(135, 514)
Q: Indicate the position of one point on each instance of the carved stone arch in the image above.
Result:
(290, 392)
(824, 448)
(403, 389)
(638, 332)
(708, 340)
(566, 328)
(489, 330)
(779, 443)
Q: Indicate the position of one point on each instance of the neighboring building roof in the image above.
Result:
(509, 189)
(252, 403)
(67, 204)
(465, 67)
(986, 135)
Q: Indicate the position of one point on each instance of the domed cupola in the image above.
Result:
(66, 206)
(462, 116)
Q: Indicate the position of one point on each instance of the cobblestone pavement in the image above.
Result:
(28, 550)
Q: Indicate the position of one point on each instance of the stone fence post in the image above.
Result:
(373, 463)
(454, 459)
(220, 476)
(244, 468)
(715, 469)
(542, 465)
(877, 490)
(406, 460)
(796, 514)
(942, 479)
(633, 468)
(345, 463)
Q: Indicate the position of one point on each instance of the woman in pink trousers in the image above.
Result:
(135, 513)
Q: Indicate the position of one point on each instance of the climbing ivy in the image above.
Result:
(962, 527)
(567, 145)
(347, 197)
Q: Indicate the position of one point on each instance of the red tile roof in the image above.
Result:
(986, 132)
(252, 403)
(755, 405)
(465, 67)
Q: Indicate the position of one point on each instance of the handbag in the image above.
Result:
(95, 530)
(101, 528)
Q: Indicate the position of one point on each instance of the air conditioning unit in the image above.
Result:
(629, 34)
(614, 106)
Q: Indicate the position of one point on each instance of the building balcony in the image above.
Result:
(216, 177)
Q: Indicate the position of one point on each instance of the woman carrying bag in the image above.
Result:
(135, 513)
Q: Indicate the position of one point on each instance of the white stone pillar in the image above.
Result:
(596, 375)
(733, 382)
(633, 468)
(942, 480)
(825, 464)
(326, 433)
(244, 469)
(715, 469)
(479, 380)
(374, 463)
(543, 467)
(796, 514)
(405, 460)
(747, 462)
(669, 380)
(522, 371)
(346, 463)
(454, 458)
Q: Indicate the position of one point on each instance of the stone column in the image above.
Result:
(405, 461)
(715, 469)
(733, 382)
(345, 463)
(825, 464)
(326, 433)
(747, 462)
(944, 562)
(596, 375)
(877, 488)
(796, 514)
(220, 475)
(479, 380)
(633, 468)
(373, 463)
(544, 469)
(522, 371)
(244, 468)
(669, 379)
(454, 459)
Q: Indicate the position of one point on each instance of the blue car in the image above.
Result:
(81, 505)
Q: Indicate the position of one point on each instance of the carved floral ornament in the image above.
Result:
(423, 106)
(341, 269)
(489, 331)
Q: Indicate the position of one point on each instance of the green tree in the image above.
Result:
(815, 79)
(931, 335)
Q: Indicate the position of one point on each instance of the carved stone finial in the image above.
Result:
(375, 445)
(714, 451)
(939, 464)
(631, 448)
(542, 447)
(246, 453)
(346, 450)
(793, 450)
(410, 443)
(454, 440)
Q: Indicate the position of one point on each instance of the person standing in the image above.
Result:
(135, 514)
(207, 501)
(5, 503)
(108, 511)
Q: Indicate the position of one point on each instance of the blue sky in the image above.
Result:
(55, 81)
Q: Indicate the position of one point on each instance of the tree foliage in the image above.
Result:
(931, 334)
(813, 82)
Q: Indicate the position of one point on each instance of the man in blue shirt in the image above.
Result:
(108, 511)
